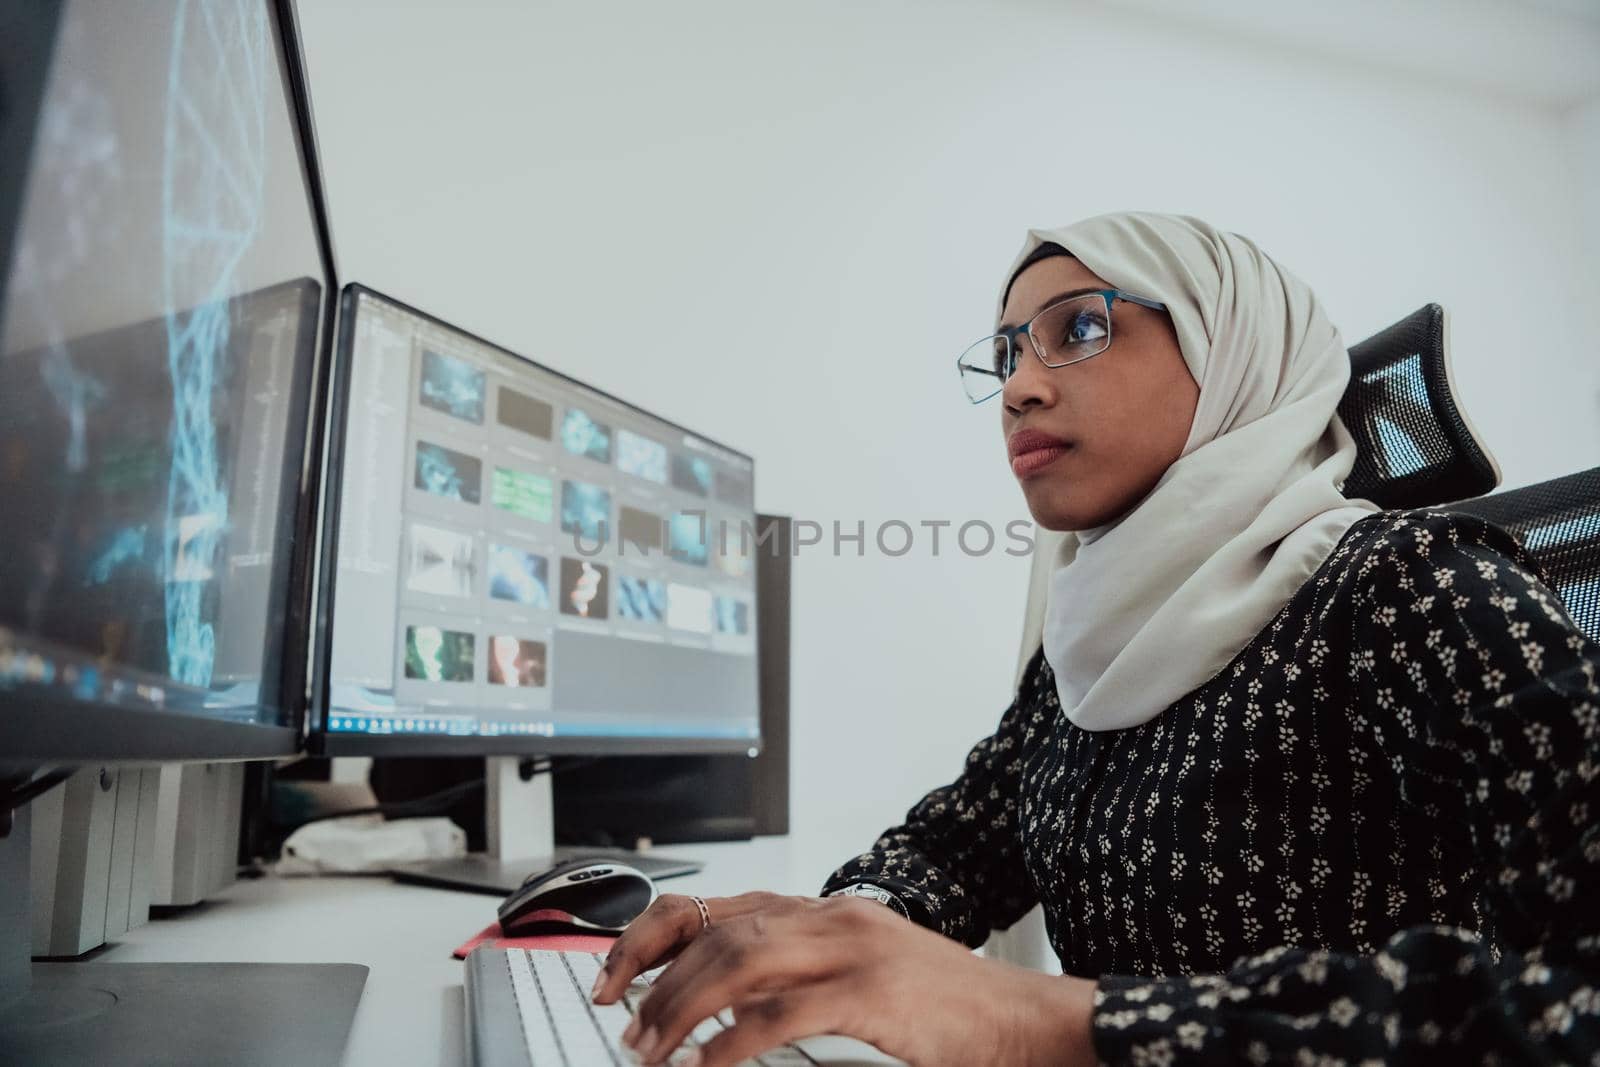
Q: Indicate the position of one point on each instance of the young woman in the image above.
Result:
(1295, 780)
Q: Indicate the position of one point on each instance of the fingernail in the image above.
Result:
(599, 980)
(647, 1045)
(632, 1032)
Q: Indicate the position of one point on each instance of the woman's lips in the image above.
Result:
(1032, 450)
(1036, 459)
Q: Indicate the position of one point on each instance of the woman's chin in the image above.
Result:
(1051, 512)
(1057, 508)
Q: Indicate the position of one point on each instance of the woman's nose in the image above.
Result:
(1031, 385)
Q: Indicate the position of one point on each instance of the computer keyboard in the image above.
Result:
(533, 1008)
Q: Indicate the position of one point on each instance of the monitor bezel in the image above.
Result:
(320, 741)
(45, 731)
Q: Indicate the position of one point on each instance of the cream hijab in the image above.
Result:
(1149, 607)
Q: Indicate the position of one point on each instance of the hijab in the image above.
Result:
(1148, 607)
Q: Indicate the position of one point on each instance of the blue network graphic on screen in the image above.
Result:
(159, 320)
(125, 550)
(213, 187)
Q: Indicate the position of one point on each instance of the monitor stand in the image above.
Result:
(520, 826)
(97, 1013)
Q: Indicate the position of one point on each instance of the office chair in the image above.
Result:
(1558, 522)
(1416, 448)
(1414, 445)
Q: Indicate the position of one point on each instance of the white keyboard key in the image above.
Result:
(562, 1026)
(585, 967)
(576, 1021)
(537, 1029)
(611, 1019)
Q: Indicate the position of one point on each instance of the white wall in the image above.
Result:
(1583, 140)
(778, 224)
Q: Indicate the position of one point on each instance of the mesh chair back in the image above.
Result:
(1559, 523)
(1415, 448)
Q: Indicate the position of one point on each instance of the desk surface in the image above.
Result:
(413, 1002)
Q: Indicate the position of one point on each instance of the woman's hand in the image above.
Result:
(793, 967)
(667, 925)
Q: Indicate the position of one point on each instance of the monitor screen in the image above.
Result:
(524, 562)
(159, 323)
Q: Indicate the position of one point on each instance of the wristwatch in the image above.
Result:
(873, 892)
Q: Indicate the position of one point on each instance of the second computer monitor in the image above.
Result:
(522, 563)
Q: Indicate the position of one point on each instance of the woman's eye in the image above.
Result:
(1085, 326)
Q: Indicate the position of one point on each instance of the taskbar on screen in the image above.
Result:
(471, 726)
(46, 670)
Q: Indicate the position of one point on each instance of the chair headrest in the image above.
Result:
(1415, 446)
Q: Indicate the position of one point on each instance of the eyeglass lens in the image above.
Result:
(1063, 333)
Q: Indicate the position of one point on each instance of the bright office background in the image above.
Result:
(779, 223)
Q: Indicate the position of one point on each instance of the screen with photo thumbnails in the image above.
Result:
(520, 555)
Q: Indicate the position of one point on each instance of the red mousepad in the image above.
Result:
(563, 942)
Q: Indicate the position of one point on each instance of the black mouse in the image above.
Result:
(585, 894)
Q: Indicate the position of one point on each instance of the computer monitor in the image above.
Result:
(166, 282)
(522, 563)
(158, 346)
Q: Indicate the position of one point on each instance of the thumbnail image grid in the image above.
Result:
(443, 562)
(524, 413)
(643, 599)
(583, 436)
(519, 577)
(732, 615)
(452, 386)
(516, 662)
(638, 530)
(687, 539)
(691, 474)
(446, 473)
(688, 608)
(586, 511)
(585, 588)
(522, 493)
(434, 654)
(642, 457)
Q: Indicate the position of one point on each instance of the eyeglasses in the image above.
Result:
(1066, 332)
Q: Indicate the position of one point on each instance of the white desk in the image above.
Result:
(412, 1009)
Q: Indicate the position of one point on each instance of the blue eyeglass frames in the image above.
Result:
(1071, 330)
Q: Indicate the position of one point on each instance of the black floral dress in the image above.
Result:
(1374, 837)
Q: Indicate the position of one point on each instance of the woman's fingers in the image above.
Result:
(666, 925)
(763, 1023)
(753, 954)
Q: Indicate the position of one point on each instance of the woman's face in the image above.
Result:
(1119, 419)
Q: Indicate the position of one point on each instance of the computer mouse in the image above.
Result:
(583, 894)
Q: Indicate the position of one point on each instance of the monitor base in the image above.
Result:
(234, 1013)
(481, 873)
